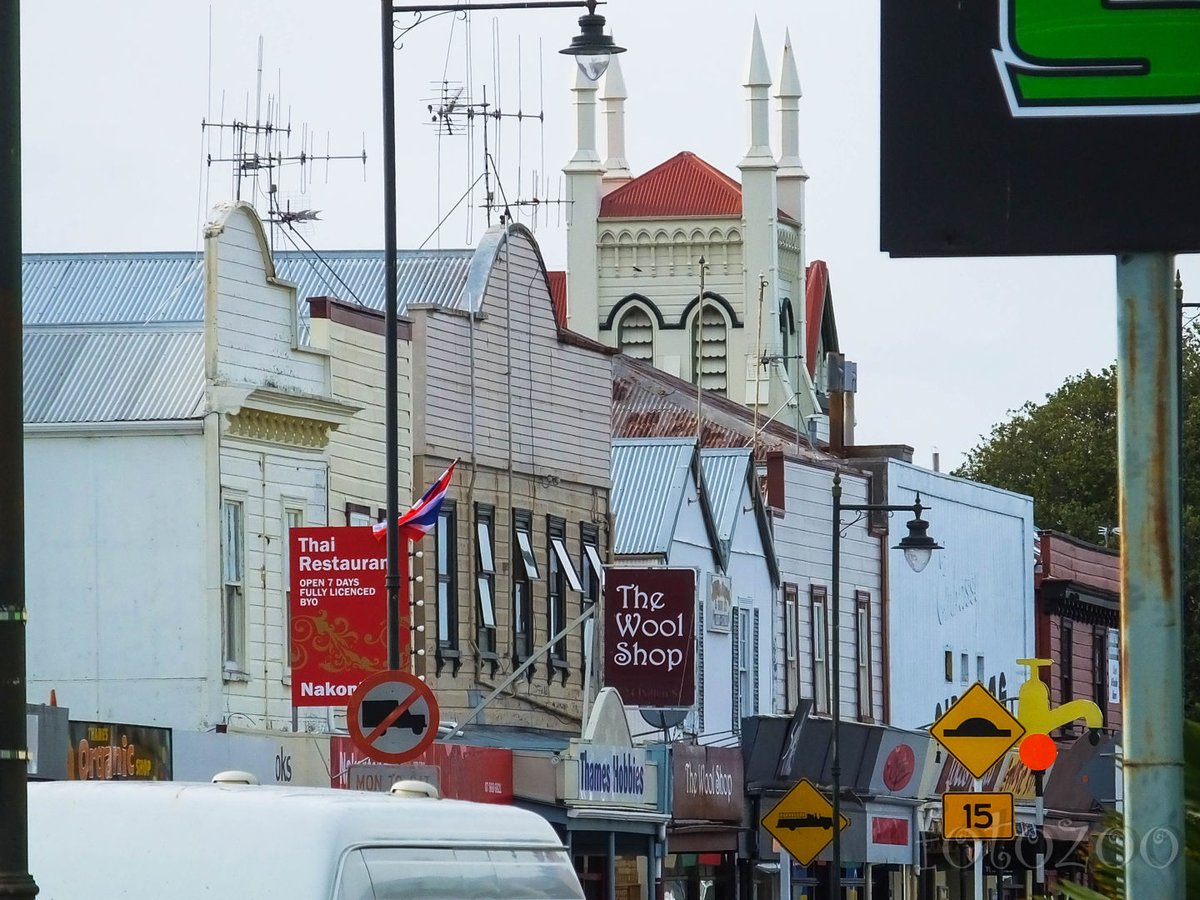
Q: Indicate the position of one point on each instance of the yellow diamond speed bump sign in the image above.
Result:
(802, 822)
(977, 730)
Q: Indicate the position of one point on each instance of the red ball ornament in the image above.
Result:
(1038, 752)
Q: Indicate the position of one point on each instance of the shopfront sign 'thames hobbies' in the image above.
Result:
(650, 636)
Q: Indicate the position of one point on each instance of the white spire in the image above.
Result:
(758, 86)
(791, 175)
(616, 165)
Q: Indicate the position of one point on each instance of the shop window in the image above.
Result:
(820, 650)
(791, 644)
(447, 586)
(862, 620)
(525, 573)
(233, 599)
(485, 582)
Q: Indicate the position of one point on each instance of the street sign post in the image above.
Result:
(392, 717)
(977, 816)
(977, 730)
(802, 822)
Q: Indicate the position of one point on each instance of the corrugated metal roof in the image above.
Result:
(113, 375)
(141, 288)
(649, 403)
(724, 480)
(648, 480)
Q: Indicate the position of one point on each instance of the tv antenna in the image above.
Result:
(260, 149)
(453, 112)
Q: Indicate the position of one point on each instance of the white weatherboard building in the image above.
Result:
(675, 507)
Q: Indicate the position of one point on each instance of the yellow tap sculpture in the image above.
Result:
(1038, 717)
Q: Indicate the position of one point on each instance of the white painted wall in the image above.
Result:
(115, 545)
(974, 598)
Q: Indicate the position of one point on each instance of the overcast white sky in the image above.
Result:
(114, 93)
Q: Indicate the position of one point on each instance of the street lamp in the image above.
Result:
(918, 547)
(591, 49)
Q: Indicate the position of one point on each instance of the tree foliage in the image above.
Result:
(1063, 453)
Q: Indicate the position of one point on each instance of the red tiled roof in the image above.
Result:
(558, 295)
(684, 185)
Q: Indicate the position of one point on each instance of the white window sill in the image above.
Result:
(234, 675)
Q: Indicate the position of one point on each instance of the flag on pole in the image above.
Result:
(422, 516)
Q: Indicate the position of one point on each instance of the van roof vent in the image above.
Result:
(414, 789)
(232, 776)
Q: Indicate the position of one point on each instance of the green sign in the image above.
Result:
(1100, 57)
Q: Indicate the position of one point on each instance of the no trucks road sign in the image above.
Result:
(392, 717)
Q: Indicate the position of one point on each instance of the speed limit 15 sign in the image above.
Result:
(977, 816)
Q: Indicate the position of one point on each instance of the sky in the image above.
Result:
(115, 158)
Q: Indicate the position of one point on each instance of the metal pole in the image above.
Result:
(1039, 811)
(15, 880)
(391, 420)
(835, 700)
(1151, 614)
(978, 854)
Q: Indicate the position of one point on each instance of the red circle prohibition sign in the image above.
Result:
(365, 737)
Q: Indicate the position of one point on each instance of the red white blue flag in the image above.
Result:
(422, 516)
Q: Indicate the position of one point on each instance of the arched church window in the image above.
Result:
(711, 337)
(635, 334)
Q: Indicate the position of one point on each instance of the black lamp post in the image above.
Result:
(918, 547)
(591, 49)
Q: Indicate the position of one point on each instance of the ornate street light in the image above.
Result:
(592, 48)
(918, 547)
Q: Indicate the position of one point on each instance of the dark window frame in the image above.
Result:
(589, 536)
(556, 599)
(522, 591)
(486, 635)
(448, 649)
(1066, 638)
(791, 645)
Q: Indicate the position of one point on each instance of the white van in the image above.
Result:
(156, 840)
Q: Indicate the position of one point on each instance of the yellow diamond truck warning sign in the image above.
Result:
(977, 730)
(802, 822)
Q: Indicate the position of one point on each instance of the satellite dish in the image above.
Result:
(664, 718)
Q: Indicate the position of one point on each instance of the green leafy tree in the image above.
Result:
(1063, 453)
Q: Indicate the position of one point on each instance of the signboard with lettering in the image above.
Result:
(110, 751)
(338, 612)
(607, 774)
(650, 635)
(707, 783)
(464, 772)
(1026, 127)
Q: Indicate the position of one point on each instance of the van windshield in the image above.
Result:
(443, 873)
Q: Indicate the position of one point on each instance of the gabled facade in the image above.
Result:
(178, 421)
(523, 405)
(698, 273)
(682, 508)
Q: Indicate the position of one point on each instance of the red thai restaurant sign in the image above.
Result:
(338, 609)
(650, 636)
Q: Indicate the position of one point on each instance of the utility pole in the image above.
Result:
(15, 880)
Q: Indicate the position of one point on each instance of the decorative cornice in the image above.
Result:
(275, 428)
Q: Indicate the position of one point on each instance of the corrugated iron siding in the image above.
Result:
(112, 288)
(113, 375)
(648, 478)
(724, 477)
